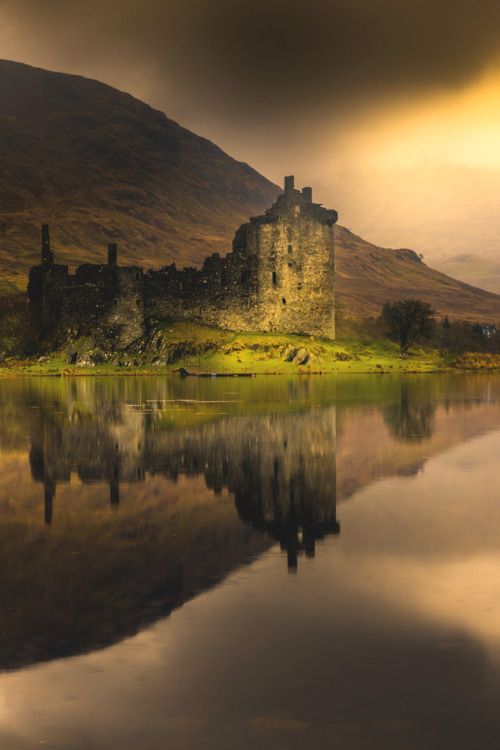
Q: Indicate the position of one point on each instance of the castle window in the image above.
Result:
(223, 277)
(299, 285)
(115, 302)
(290, 265)
(275, 278)
(138, 302)
(290, 248)
(284, 301)
(297, 210)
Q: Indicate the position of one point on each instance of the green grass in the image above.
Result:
(210, 350)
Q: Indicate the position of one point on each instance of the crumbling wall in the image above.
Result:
(222, 293)
(104, 300)
(47, 287)
(107, 301)
(278, 277)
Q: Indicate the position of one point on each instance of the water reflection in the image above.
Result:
(410, 418)
(280, 468)
(155, 490)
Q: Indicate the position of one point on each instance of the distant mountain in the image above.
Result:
(367, 276)
(439, 210)
(472, 269)
(100, 166)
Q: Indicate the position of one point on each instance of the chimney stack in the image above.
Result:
(112, 254)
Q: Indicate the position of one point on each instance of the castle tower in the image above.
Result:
(294, 246)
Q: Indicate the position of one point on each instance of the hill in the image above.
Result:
(367, 276)
(100, 166)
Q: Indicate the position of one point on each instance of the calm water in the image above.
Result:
(250, 563)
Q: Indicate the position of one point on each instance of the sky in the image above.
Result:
(389, 109)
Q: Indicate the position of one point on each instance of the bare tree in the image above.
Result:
(407, 320)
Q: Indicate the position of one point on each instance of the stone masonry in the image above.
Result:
(279, 277)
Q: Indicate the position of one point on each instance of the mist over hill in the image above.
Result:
(473, 269)
(367, 276)
(99, 166)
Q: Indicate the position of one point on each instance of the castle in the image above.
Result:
(279, 277)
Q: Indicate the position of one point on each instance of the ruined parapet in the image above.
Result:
(47, 255)
(112, 254)
(101, 299)
(47, 287)
(289, 184)
(307, 194)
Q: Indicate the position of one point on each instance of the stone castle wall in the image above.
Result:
(278, 277)
(105, 299)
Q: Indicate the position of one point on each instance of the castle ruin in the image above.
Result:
(279, 277)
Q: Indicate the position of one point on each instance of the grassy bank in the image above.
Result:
(199, 349)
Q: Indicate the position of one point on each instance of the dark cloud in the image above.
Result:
(245, 59)
(288, 54)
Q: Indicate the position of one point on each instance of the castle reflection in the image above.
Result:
(280, 468)
(156, 489)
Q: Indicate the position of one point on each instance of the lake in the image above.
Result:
(239, 563)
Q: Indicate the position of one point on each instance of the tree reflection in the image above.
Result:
(410, 419)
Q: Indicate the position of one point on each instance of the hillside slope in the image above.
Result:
(367, 276)
(100, 166)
